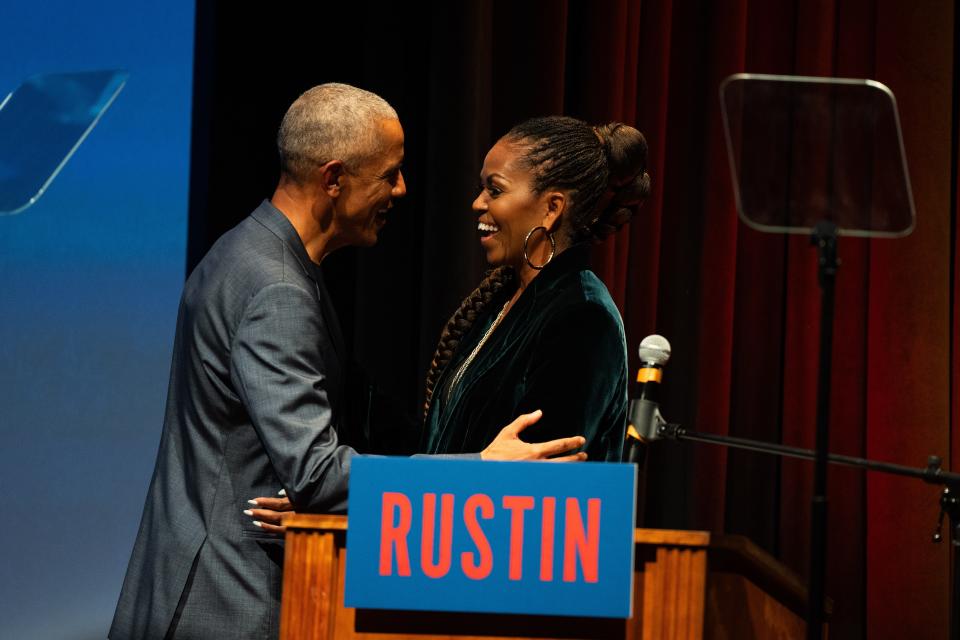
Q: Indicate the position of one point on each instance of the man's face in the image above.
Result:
(368, 191)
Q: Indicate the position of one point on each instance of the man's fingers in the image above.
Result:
(509, 446)
(555, 447)
(523, 421)
(576, 457)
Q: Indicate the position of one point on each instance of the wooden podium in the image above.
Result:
(687, 584)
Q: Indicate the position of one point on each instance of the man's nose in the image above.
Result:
(399, 189)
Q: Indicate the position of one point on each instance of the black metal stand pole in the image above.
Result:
(825, 238)
(932, 474)
(950, 505)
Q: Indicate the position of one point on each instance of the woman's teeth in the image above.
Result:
(483, 227)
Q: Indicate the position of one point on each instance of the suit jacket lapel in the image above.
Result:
(330, 315)
(272, 218)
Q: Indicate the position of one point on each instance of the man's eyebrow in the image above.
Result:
(393, 168)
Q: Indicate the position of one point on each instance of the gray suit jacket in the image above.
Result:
(252, 408)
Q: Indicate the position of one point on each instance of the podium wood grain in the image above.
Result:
(745, 593)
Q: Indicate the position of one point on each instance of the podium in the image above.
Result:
(687, 584)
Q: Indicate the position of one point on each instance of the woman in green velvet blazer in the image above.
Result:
(541, 331)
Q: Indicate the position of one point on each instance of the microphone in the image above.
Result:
(644, 415)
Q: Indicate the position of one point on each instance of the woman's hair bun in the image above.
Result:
(629, 183)
(626, 150)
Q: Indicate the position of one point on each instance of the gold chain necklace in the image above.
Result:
(473, 354)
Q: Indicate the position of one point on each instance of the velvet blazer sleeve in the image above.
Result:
(577, 376)
(278, 367)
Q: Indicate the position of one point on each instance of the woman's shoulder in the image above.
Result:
(595, 292)
(582, 290)
(582, 311)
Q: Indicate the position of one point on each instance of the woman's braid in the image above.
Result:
(459, 324)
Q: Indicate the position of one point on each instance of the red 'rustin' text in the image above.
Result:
(581, 536)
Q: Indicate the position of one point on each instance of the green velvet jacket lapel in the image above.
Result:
(504, 378)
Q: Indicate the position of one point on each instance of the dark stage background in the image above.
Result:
(740, 307)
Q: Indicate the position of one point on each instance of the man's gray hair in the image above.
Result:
(331, 122)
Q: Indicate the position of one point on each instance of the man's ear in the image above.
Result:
(330, 177)
(556, 202)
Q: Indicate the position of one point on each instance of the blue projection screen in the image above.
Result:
(90, 278)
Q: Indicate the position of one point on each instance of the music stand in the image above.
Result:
(821, 157)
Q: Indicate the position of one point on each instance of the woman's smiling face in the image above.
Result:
(507, 208)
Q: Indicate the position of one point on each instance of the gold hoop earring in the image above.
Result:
(553, 248)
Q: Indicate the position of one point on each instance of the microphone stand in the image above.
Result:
(790, 108)
(824, 236)
(931, 474)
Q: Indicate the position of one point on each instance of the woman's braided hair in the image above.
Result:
(460, 322)
(603, 170)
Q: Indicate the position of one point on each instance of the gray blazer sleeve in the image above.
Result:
(285, 369)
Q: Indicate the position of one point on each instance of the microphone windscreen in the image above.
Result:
(655, 349)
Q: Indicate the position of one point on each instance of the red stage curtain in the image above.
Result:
(742, 307)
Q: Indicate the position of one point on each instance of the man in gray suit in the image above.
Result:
(254, 401)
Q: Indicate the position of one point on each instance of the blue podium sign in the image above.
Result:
(495, 537)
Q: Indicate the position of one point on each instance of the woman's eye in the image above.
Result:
(489, 188)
